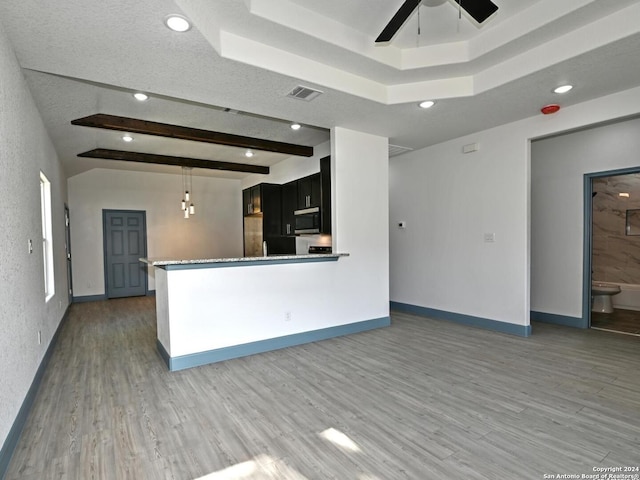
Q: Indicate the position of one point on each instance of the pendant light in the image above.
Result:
(187, 187)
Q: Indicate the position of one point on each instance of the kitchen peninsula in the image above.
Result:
(209, 310)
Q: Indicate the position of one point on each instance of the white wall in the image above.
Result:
(450, 200)
(291, 168)
(558, 166)
(214, 231)
(25, 150)
(318, 295)
(360, 219)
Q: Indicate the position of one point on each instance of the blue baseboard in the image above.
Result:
(487, 324)
(98, 298)
(11, 441)
(575, 322)
(261, 346)
(89, 298)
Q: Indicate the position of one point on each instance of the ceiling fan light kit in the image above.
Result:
(479, 10)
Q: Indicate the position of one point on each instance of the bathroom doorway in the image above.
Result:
(612, 249)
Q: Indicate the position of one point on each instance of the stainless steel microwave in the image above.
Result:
(307, 220)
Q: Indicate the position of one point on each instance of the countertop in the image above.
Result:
(172, 263)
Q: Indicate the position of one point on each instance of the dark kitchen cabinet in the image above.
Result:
(289, 205)
(325, 190)
(309, 191)
(262, 206)
(252, 200)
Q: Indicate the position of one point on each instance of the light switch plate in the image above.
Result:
(489, 237)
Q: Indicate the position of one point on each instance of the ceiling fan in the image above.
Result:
(479, 10)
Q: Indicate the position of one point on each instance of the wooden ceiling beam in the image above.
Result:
(133, 125)
(108, 154)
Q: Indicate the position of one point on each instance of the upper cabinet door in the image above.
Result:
(247, 209)
(309, 191)
(325, 191)
(252, 200)
(256, 198)
(289, 205)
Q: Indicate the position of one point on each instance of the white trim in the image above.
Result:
(47, 237)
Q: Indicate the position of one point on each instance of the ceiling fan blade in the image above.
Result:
(398, 20)
(480, 10)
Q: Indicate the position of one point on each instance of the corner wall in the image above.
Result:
(449, 200)
(558, 165)
(214, 231)
(25, 150)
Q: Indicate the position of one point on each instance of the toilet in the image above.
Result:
(601, 294)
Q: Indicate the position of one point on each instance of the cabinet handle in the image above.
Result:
(288, 228)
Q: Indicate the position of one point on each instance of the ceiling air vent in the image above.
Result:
(304, 93)
(395, 150)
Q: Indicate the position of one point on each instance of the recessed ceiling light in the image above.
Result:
(177, 23)
(141, 97)
(127, 138)
(248, 154)
(295, 126)
(562, 89)
(624, 194)
(427, 104)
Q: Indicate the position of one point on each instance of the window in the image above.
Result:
(47, 237)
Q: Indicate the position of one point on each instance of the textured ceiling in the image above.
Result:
(86, 56)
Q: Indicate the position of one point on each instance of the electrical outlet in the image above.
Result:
(287, 316)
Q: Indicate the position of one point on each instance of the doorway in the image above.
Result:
(124, 243)
(612, 247)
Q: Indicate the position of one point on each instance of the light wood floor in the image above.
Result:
(624, 321)
(422, 399)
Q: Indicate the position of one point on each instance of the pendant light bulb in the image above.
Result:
(186, 213)
(186, 195)
(184, 204)
(192, 209)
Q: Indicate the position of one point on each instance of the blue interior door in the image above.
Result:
(125, 241)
